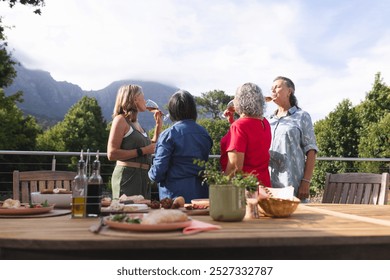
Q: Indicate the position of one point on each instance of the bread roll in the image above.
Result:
(116, 205)
(179, 201)
(134, 207)
(64, 191)
(11, 203)
(134, 198)
(60, 190)
(46, 191)
(163, 216)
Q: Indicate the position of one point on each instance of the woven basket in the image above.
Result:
(277, 207)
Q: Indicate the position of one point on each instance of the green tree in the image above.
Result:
(7, 71)
(337, 136)
(217, 129)
(83, 127)
(376, 144)
(374, 114)
(360, 131)
(52, 139)
(376, 104)
(17, 132)
(33, 3)
(213, 102)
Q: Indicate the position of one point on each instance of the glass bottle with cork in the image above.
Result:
(79, 188)
(94, 190)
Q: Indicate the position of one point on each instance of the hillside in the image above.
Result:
(49, 100)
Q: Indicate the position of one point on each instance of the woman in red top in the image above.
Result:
(246, 145)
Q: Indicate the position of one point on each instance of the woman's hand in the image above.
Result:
(158, 118)
(159, 123)
(304, 190)
(149, 149)
(229, 115)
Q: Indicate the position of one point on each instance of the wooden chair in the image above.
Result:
(356, 188)
(34, 181)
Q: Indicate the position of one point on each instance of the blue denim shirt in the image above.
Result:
(173, 168)
(292, 137)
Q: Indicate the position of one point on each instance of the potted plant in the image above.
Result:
(227, 193)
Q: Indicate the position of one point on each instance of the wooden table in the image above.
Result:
(314, 231)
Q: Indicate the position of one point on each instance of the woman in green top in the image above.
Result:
(130, 145)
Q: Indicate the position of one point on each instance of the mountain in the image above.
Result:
(49, 100)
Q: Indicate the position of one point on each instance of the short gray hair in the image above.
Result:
(249, 100)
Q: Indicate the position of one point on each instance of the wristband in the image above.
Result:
(139, 152)
(305, 180)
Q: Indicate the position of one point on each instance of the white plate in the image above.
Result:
(130, 208)
(195, 212)
(25, 211)
(283, 193)
(141, 227)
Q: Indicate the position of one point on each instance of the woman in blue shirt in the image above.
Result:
(173, 165)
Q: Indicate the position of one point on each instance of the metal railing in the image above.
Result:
(6, 167)
(88, 154)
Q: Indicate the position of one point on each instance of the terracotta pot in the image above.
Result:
(227, 203)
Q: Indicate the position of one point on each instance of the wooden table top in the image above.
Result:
(314, 231)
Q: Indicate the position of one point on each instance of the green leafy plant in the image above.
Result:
(214, 176)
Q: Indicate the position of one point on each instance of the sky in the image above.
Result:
(331, 49)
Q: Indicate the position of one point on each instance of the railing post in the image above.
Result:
(53, 163)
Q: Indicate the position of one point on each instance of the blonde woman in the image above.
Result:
(129, 144)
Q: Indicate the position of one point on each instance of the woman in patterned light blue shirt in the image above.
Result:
(293, 148)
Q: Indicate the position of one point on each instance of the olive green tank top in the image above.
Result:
(135, 139)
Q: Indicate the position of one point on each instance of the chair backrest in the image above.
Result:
(34, 181)
(356, 188)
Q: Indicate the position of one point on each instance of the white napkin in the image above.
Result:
(283, 193)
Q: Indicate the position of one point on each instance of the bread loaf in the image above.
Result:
(179, 201)
(163, 216)
(11, 203)
(46, 191)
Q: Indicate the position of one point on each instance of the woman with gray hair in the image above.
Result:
(293, 151)
(246, 145)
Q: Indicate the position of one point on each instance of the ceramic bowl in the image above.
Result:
(278, 207)
(59, 200)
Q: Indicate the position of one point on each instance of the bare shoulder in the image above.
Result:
(119, 125)
(119, 120)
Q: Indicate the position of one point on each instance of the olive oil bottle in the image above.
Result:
(79, 190)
